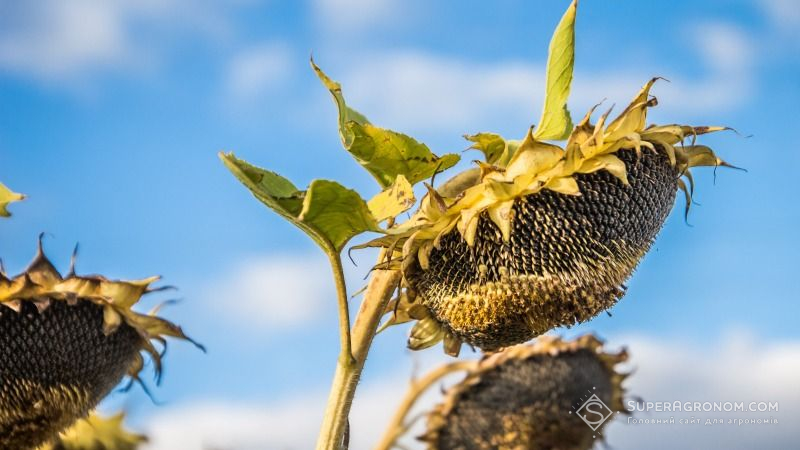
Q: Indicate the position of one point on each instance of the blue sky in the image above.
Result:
(113, 112)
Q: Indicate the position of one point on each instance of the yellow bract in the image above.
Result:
(534, 165)
(96, 432)
(7, 196)
(42, 284)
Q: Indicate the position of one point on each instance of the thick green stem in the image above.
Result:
(346, 352)
(348, 370)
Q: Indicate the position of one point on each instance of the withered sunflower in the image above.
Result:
(65, 342)
(539, 236)
(529, 398)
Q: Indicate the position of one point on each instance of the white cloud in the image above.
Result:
(735, 367)
(417, 91)
(290, 425)
(258, 70)
(728, 55)
(724, 46)
(57, 40)
(352, 16)
(783, 28)
(784, 13)
(275, 292)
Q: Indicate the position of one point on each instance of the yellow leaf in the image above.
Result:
(392, 201)
(556, 122)
(492, 145)
(383, 153)
(328, 212)
(7, 196)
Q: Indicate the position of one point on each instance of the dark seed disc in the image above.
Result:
(55, 366)
(530, 404)
(566, 260)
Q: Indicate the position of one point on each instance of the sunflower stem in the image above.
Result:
(348, 369)
(346, 355)
(398, 425)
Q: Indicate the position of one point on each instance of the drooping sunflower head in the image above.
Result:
(531, 397)
(65, 342)
(538, 235)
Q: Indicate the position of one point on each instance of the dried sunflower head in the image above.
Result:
(529, 398)
(541, 236)
(97, 433)
(65, 342)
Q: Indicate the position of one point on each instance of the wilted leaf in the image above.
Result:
(346, 114)
(533, 157)
(633, 118)
(460, 182)
(492, 145)
(556, 122)
(383, 153)
(387, 154)
(611, 163)
(397, 198)
(7, 196)
(688, 196)
(328, 212)
(425, 333)
(701, 155)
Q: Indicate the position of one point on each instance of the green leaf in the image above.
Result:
(328, 212)
(396, 199)
(556, 122)
(346, 114)
(492, 145)
(7, 196)
(386, 154)
(383, 153)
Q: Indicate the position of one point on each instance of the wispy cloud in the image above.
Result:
(421, 91)
(53, 40)
(734, 367)
(355, 16)
(259, 70)
(727, 55)
(272, 293)
(785, 14)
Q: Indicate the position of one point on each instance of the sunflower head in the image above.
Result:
(528, 397)
(65, 342)
(539, 235)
